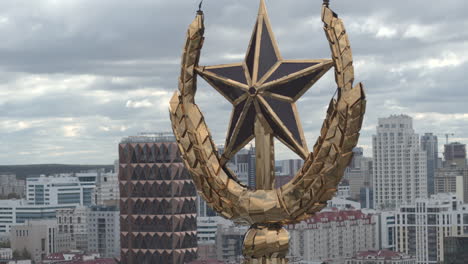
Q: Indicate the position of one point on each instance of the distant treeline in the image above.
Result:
(23, 171)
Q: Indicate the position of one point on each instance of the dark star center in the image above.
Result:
(252, 91)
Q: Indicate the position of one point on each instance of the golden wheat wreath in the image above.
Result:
(315, 183)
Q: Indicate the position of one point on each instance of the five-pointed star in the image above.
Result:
(266, 87)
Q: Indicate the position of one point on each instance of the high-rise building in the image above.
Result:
(422, 226)
(456, 249)
(400, 169)
(429, 143)
(455, 155)
(333, 236)
(158, 202)
(61, 189)
(386, 229)
(452, 180)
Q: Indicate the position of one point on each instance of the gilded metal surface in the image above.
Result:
(266, 209)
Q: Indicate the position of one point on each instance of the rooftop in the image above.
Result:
(150, 138)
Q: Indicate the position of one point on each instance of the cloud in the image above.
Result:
(77, 76)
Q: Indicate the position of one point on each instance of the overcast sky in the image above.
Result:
(78, 75)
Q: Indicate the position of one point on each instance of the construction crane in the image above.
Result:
(447, 137)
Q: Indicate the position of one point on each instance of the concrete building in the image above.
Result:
(381, 257)
(158, 202)
(456, 249)
(333, 236)
(359, 174)
(400, 165)
(13, 212)
(288, 167)
(39, 238)
(75, 222)
(61, 189)
(6, 254)
(430, 144)
(386, 230)
(207, 228)
(455, 155)
(229, 241)
(10, 187)
(422, 226)
(107, 189)
(452, 180)
(104, 231)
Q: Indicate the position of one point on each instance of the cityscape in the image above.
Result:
(405, 203)
(106, 156)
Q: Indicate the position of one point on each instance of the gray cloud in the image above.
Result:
(78, 75)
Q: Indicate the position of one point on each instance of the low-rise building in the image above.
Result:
(75, 222)
(14, 212)
(6, 253)
(333, 235)
(39, 238)
(381, 257)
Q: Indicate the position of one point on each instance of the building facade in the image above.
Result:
(104, 231)
(14, 212)
(39, 238)
(430, 144)
(61, 189)
(10, 187)
(381, 257)
(333, 236)
(107, 189)
(456, 250)
(359, 176)
(400, 169)
(74, 221)
(158, 202)
(455, 155)
(229, 242)
(422, 226)
(452, 180)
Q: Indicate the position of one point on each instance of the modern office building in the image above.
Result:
(61, 189)
(422, 226)
(400, 169)
(13, 212)
(381, 257)
(456, 249)
(104, 230)
(452, 180)
(158, 202)
(39, 238)
(333, 236)
(430, 144)
(455, 155)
